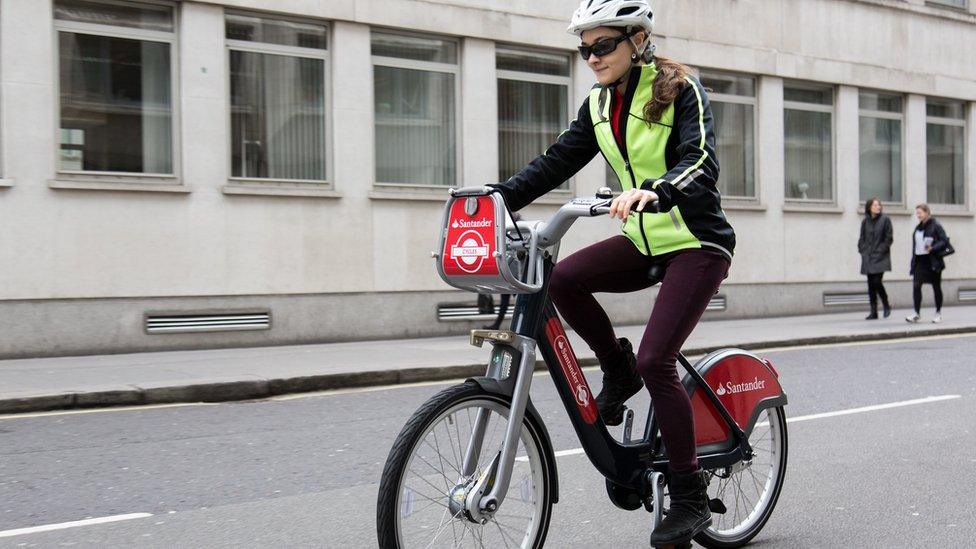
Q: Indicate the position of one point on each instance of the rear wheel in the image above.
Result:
(749, 490)
(424, 468)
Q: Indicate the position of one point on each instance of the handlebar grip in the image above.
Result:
(650, 207)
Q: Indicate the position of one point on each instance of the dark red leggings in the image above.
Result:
(615, 265)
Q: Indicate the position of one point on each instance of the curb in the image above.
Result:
(258, 388)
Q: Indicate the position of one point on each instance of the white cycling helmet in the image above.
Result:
(612, 13)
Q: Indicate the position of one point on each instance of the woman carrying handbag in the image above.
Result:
(929, 245)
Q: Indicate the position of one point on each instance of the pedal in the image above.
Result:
(715, 505)
(628, 424)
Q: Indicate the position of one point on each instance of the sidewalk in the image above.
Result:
(28, 385)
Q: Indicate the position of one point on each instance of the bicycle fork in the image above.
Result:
(480, 497)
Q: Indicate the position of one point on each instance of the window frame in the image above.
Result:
(164, 181)
(830, 109)
(886, 115)
(752, 100)
(952, 122)
(538, 78)
(431, 66)
(265, 48)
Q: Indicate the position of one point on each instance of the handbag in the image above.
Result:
(947, 251)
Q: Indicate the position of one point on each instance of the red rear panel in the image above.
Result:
(741, 382)
(470, 242)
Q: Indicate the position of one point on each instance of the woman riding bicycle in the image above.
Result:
(652, 122)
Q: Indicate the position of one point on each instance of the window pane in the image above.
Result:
(816, 95)
(277, 116)
(730, 84)
(735, 145)
(953, 3)
(880, 159)
(274, 31)
(530, 117)
(945, 164)
(945, 109)
(415, 126)
(871, 101)
(140, 16)
(116, 110)
(534, 62)
(413, 47)
(808, 155)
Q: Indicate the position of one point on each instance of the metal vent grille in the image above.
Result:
(456, 312)
(168, 323)
(967, 294)
(838, 299)
(718, 303)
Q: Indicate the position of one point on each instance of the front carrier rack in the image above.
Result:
(483, 249)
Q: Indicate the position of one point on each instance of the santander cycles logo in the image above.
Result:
(470, 250)
(733, 388)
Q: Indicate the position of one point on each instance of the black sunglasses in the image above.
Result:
(602, 47)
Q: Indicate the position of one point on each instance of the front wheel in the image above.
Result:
(425, 466)
(749, 490)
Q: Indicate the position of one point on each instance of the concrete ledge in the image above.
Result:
(258, 388)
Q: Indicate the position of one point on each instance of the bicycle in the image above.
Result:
(474, 465)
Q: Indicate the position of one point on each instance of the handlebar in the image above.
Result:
(536, 239)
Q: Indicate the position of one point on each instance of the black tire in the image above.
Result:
(425, 420)
(715, 537)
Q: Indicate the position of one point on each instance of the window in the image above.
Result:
(533, 105)
(733, 100)
(881, 119)
(116, 87)
(277, 98)
(416, 108)
(808, 134)
(961, 4)
(945, 129)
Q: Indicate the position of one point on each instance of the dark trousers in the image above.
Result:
(875, 289)
(923, 273)
(615, 265)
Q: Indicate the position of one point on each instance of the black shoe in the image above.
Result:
(887, 310)
(872, 316)
(620, 382)
(689, 513)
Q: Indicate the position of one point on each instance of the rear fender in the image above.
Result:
(745, 384)
(494, 387)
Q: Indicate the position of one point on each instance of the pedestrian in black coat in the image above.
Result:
(929, 242)
(874, 245)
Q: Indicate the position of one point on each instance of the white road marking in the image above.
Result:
(109, 409)
(73, 524)
(862, 409)
(873, 408)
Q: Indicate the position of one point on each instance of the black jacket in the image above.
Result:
(874, 244)
(698, 197)
(932, 229)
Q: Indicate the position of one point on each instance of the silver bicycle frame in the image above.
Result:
(542, 235)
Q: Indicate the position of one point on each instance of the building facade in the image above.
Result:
(179, 174)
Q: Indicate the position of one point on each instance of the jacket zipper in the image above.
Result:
(622, 124)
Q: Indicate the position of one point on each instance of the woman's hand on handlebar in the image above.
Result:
(624, 204)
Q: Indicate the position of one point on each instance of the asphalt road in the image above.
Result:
(304, 471)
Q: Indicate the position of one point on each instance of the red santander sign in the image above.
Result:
(470, 244)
